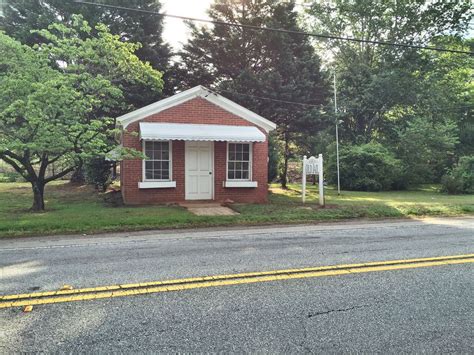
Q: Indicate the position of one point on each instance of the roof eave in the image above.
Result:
(197, 91)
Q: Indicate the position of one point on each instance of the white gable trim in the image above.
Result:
(198, 91)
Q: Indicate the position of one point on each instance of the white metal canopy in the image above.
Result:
(199, 132)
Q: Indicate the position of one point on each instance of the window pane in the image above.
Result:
(238, 166)
(149, 150)
(231, 151)
(157, 162)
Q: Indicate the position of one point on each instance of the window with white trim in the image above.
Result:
(239, 161)
(157, 164)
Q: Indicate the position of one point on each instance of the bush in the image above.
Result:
(367, 167)
(460, 180)
(97, 172)
(10, 176)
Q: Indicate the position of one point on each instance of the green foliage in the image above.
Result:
(273, 159)
(77, 49)
(243, 64)
(10, 176)
(460, 179)
(21, 17)
(417, 103)
(366, 167)
(426, 149)
(57, 99)
(98, 172)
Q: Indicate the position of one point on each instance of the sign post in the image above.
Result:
(313, 166)
(303, 179)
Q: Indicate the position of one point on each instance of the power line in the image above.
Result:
(272, 29)
(437, 109)
(269, 98)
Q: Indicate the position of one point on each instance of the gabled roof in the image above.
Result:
(206, 94)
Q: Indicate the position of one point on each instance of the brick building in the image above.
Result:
(198, 146)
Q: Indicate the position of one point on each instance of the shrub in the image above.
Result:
(10, 176)
(366, 167)
(460, 180)
(97, 172)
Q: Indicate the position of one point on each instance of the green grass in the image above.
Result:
(78, 209)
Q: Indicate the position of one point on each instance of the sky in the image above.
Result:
(175, 31)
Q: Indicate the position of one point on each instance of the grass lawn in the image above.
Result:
(78, 209)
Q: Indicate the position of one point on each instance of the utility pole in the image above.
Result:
(337, 137)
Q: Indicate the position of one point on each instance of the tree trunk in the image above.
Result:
(284, 175)
(114, 170)
(38, 196)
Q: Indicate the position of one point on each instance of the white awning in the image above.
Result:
(199, 132)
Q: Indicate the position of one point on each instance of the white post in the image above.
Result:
(337, 137)
(303, 180)
(321, 181)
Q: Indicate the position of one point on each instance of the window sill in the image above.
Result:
(156, 184)
(240, 184)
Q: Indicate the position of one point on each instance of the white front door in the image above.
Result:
(199, 170)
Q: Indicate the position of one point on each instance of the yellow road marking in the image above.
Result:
(123, 290)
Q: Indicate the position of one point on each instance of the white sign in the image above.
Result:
(313, 166)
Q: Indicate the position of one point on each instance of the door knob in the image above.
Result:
(210, 172)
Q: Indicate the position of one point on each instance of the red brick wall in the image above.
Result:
(195, 111)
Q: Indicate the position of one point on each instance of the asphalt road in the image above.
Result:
(413, 310)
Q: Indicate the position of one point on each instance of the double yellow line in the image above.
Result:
(93, 293)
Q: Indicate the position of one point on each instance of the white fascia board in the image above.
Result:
(198, 91)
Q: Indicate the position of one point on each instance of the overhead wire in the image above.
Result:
(252, 27)
(273, 29)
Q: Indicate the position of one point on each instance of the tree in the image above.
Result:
(426, 149)
(367, 167)
(21, 17)
(246, 65)
(78, 48)
(54, 110)
(373, 79)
